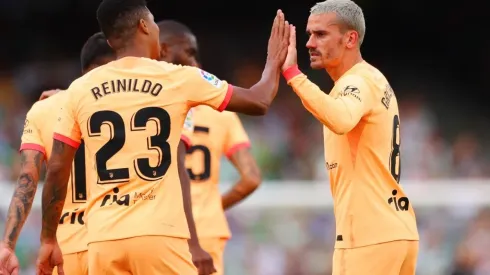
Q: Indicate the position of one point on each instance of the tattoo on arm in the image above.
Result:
(250, 178)
(54, 191)
(24, 193)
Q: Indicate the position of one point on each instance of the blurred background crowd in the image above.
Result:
(436, 65)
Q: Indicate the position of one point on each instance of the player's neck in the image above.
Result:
(135, 50)
(349, 61)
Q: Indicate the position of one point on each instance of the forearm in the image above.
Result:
(185, 183)
(240, 191)
(54, 191)
(331, 112)
(250, 178)
(23, 197)
(266, 89)
(53, 199)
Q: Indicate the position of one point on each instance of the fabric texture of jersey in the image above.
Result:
(362, 155)
(38, 135)
(215, 135)
(130, 114)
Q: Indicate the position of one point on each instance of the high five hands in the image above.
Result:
(282, 43)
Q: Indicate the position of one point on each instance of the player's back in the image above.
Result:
(364, 167)
(210, 142)
(71, 234)
(130, 114)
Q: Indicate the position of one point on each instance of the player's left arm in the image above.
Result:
(32, 156)
(237, 150)
(66, 140)
(340, 114)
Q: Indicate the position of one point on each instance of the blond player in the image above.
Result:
(215, 135)
(37, 139)
(375, 222)
(130, 113)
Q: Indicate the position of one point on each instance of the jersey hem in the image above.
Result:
(374, 243)
(187, 141)
(227, 99)
(33, 146)
(237, 147)
(66, 140)
(185, 237)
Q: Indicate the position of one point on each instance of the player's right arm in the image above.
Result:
(32, 157)
(67, 138)
(209, 90)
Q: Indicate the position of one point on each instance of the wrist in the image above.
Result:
(291, 72)
(8, 245)
(193, 243)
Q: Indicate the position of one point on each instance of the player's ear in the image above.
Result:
(143, 26)
(164, 50)
(351, 38)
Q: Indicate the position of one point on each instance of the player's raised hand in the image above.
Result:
(279, 39)
(49, 93)
(50, 256)
(202, 260)
(292, 56)
(9, 264)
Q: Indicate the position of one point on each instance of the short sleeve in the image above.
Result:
(31, 136)
(236, 137)
(207, 89)
(67, 129)
(187, 130)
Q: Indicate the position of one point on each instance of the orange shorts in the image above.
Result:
(391, 258)
(216, 248)
(75, 263)
(146, 255)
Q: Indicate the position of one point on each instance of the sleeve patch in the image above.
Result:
(211, 79)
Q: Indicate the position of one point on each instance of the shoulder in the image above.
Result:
(48, 104)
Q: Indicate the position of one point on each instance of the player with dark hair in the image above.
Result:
(130, 114)
(36, 147)
(215, 135)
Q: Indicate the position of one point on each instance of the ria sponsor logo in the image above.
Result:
(72, 217)
(401, 203)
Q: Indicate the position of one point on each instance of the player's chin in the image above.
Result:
(316, 64)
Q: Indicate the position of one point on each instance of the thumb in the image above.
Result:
(15, 271)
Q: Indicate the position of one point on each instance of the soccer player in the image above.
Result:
(37, 139)
(215, 134)
(130, 114)
(375, 222)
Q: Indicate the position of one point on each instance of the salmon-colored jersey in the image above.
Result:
(362, 154)
(130, 113)
(215, 134)
(38, 135)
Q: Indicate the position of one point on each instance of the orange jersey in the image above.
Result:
(38, 135)
(130, 113)
(362, 154)
(215, 134)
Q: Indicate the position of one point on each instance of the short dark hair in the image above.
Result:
(172, 28)
(118, 19)
(94, 50)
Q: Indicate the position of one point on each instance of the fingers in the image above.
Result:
(287, 30)
(292, 36)
(274, 25)
(281, 23)
(60, 269)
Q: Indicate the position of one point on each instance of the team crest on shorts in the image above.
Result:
(213, 80)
